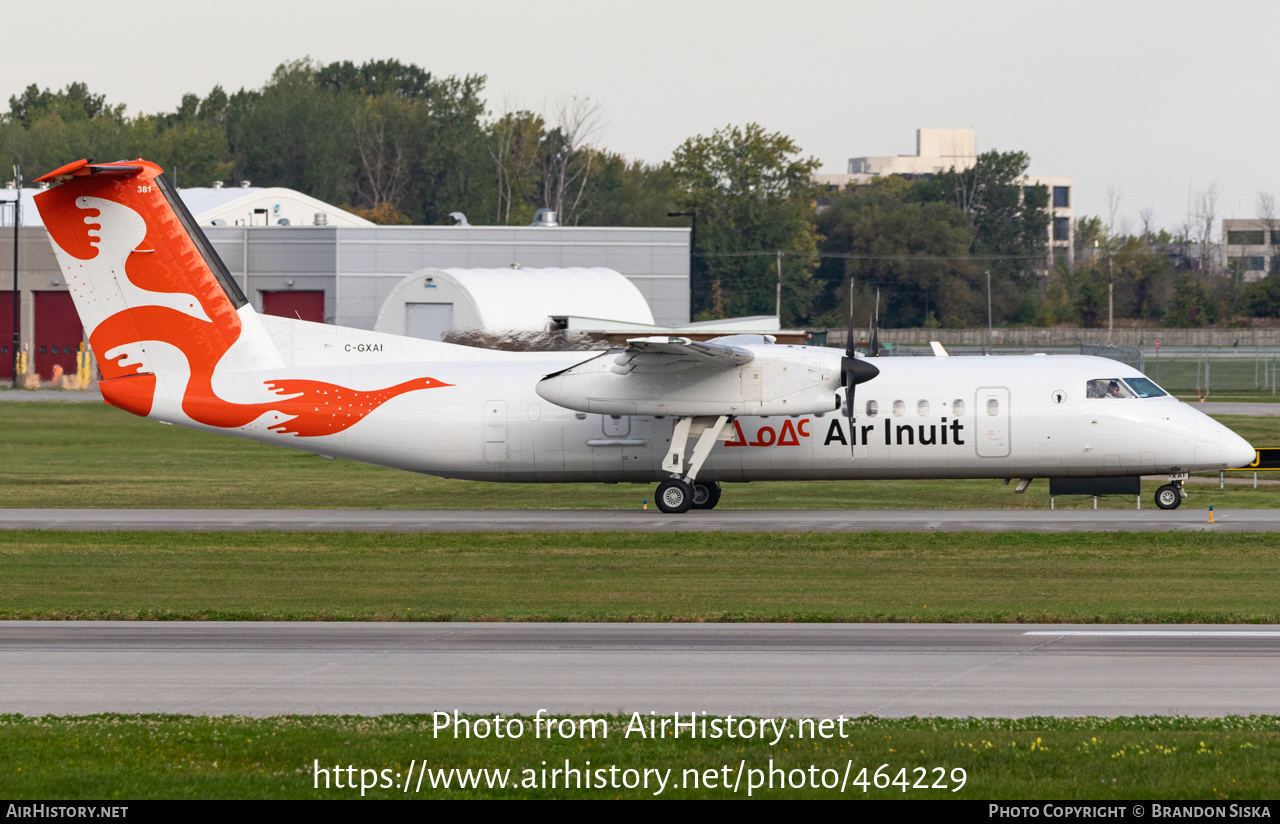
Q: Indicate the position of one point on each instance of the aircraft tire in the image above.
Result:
(674, 496)
(1169, 496)
(706, 494)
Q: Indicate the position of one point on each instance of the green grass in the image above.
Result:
(65, 455)
(140, 757)
(1003, 577)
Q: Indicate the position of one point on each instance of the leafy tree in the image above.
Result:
(294, 133)
(1191, 304)
(881, 236)
(630, 193)
(1143, 279)
(752, 192)
(1261, 299)
(1009, 221)
(1088, 289)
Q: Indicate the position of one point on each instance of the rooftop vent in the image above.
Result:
(460, 218)
(217, 184)
(544, 218)
(244, 184)
(10, 185)
(321, 219)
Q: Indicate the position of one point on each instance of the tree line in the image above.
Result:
(397, 144)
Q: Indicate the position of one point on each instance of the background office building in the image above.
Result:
(940, 150)
(1251, 247)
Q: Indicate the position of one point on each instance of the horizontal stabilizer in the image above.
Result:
(86, 168)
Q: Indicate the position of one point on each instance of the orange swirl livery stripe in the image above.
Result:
(173, 297)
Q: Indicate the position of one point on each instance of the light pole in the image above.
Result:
(693, 241)
(778, 304)
(17, 197)
(991, 332)
(1111, 297)
(1111, 292)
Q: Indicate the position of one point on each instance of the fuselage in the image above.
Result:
(960, 417)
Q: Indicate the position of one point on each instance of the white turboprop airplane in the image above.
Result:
(177, 342)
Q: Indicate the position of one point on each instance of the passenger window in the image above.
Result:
(922, 408)
(1107, 388)
(873, 409)
(899, 409)
(993, 408)
(957, 408)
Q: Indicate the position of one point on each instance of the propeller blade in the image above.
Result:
(848, 337)
(853, 371)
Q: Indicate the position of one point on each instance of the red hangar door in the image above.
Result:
(305, 305)
(58, 333)
(6, 336)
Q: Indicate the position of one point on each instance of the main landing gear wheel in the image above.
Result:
(674, 496)
(705, 494)
(1168, 496)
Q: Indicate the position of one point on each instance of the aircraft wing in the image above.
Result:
(657, 355)
(683, 377)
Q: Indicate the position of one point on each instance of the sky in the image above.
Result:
(1153, 101)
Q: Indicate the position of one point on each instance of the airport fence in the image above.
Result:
(1182, 370)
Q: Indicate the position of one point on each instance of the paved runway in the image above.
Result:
(1184, 519)
(772, 669)
(1236, 408)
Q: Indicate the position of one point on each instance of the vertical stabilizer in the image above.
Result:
(175, 338)
(156, 301)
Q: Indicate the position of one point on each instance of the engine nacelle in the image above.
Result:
(778, 380)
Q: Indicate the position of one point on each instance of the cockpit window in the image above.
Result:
(1145, 388)
(1108, 388)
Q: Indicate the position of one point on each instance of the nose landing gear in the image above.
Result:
(1170, 495)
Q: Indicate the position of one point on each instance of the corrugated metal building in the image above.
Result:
(356, 268)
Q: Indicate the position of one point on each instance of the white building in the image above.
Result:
(242, 205)
(430, 302)
(256, 206)
(941, 150)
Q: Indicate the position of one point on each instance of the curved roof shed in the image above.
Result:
(430, 301)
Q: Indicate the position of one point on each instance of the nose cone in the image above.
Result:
(1236, 451)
